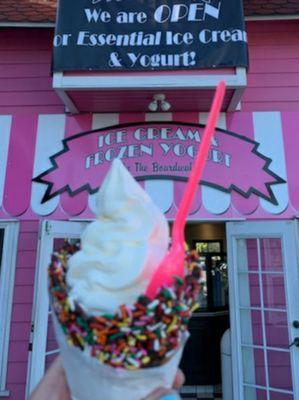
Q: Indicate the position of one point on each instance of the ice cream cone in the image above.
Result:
(89, 379)
(94, 374)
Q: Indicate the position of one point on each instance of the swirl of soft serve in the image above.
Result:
(121, 249)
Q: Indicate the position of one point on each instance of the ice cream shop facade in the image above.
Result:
(136, 82)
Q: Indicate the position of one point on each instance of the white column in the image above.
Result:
(268, 132)
(161, 191)
(215, 201)
(50, 133)
(5, 128)
(101, 121)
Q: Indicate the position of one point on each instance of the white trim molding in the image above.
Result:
(144, 81)
(7, 278)
(27, 25)
(69, 105)
(272, 17)
(65, 84)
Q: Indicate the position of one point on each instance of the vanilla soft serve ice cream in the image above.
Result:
(121, 249)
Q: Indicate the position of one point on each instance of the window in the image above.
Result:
(8, 250)
(213, 275)
(208, 246)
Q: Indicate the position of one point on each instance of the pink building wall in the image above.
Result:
(25, 72)
(273, 78)
(25, 92)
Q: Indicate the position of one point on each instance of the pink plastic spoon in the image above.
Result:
(173, 263)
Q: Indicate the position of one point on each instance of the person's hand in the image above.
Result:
(54, 385)
(161, 393)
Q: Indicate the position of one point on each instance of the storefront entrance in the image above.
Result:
(201, 362)
(257, 286)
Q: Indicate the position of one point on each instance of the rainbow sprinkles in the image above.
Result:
(142, 336)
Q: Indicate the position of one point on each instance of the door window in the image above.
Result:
(261, 328)
(264, 328)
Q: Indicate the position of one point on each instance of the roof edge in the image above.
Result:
(272, 17)
(27, 24)
(9, 24)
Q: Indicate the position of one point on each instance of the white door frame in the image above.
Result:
(49, 231)
(7, 267)
(288, 232)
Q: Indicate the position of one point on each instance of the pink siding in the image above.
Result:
(22, 308)
(25, 72)
(273, 78)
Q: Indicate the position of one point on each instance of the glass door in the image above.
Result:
(43, 344)
(264, 298)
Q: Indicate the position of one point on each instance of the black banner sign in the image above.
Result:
(149, 35)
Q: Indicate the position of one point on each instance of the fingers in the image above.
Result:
(166, 394)
(178, 380)
(53, 386)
